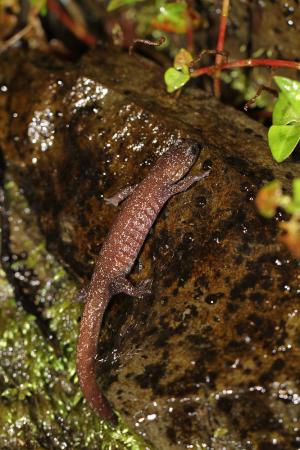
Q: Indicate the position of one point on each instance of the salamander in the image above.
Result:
(141, 205)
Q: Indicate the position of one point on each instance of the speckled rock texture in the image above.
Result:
(211, 358)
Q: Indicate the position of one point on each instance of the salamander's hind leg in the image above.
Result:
(121, 284)
(186, 183)
(81, 296)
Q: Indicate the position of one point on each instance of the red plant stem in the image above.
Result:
(220, 46)
(211, 70)
(189, 31)
(74, 27)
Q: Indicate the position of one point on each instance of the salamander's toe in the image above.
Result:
(144, 287)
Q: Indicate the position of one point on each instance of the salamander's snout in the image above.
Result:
(188, 150)
(177, 161)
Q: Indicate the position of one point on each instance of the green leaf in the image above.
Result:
(291, 89)
(296, 191)
(284, 112)
(114, 4)
(173, 14)
(282, 140)
(175, 79)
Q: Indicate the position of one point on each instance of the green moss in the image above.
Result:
(41, 405)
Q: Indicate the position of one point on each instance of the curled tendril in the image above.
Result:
(199, 57)
(258, 92)
(157, 43)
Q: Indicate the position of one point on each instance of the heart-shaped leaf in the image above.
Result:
(284, 113)
(291, 89)
(175, 79)
(282, 140)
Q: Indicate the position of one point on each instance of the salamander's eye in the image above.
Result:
(195, 148)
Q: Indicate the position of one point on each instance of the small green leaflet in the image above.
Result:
(175, 79)
(284, 134)
(179, 75)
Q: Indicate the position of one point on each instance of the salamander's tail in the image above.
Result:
(92, 392)
(87, 352)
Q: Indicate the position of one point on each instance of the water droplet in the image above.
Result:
(216, 238)
(201, 201)
(151, 417)
(245, 187)
(244, 229)
(207, 165)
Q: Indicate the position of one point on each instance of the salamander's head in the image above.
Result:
(178, 160)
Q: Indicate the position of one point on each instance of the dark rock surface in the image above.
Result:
(262, 27)
(256, 29)
(209, 360)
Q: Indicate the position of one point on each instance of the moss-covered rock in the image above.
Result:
(41, 406)
(210, 358)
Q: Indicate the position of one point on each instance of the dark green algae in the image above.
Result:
(41, 406)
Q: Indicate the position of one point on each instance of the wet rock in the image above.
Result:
(256, 29)
(265, 27)
(40, 404)
(210, 358)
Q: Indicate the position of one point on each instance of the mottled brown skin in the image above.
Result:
(119, 252)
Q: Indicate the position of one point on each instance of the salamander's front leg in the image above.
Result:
(185, 183)
(121, 284)
(121, 195)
